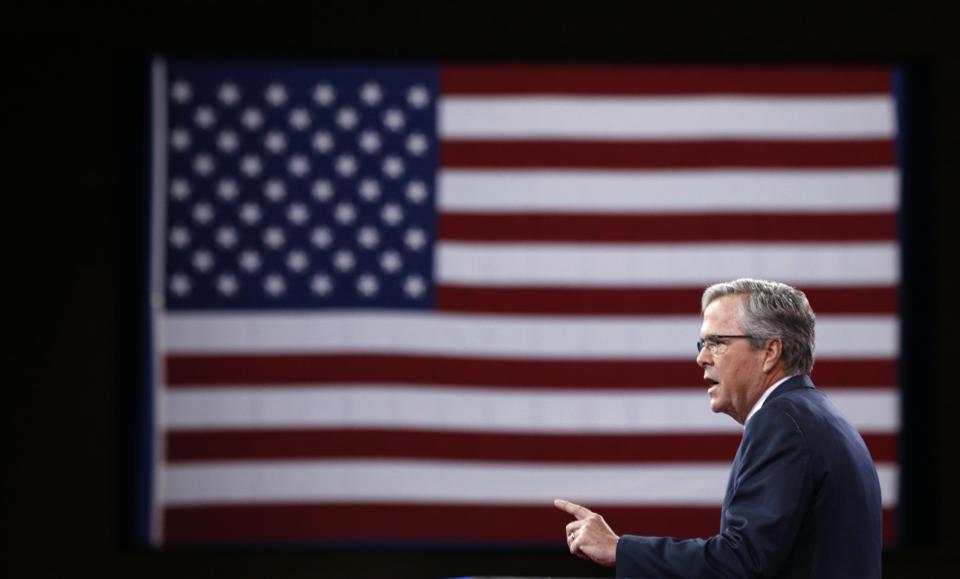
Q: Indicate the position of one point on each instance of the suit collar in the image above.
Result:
(794, 383)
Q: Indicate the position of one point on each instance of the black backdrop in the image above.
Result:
(75, 222)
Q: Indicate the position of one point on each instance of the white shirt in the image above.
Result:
(763, 398)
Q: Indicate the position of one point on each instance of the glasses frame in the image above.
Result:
(702, 343)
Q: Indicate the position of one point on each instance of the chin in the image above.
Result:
(718, 406)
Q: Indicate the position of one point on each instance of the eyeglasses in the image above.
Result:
(713, 344)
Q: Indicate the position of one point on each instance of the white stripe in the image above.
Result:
(674, 118)
(485, 410)
(564, 191)
(451, 483)
(498, 336)
(655, 264)
(872, 411)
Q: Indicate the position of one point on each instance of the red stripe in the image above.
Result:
(186, 446)
(637, 301)
(665, 154)
(649, 80)
(263, 370)
(343, 522)
(597, 228)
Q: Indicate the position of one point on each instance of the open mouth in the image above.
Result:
(711, 382)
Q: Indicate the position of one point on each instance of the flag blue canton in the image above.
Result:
(300, 187)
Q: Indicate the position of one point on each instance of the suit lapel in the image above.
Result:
(794, 383)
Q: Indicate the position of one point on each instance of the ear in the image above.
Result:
(773, 352)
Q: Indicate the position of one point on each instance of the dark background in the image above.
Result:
(74, 225)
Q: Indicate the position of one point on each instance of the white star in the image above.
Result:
(371, 93)
(276, 94)
(368, 237)
(179, 236)
(394, 119)
(228, 141)
(204, 117)
(418, 96)
(250, 213)
(417, 144)
(203, 165)
(297, 260)
(416, 191)
(415, 238)
(343, 260)
(345, 165)
(392, 214)
(251, 165)
(321, 237)
(179, 189)
(369, 190)
(299, 119)
(347, 118)
(344, 213)
(179, 139)
(322, 141)
(367, 285)
(322, 190)
(228, 94)
(370, 141)
(390, 261)
(180, 91)
(274, 238)
(180, 284)
(275, 190)
(227, 189)
(321, 284)
(275, 142)
(252, 118)
(414, 286)
(202, 260)
(202, 213)
(227, 237)
(298, 213)
(393, 166)
(324, 95)
(298, 165)
(250, 261)
(275, 285)
(227, 284)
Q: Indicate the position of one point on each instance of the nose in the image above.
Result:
(703, 358)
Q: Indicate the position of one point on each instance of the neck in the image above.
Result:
(771, 379)
(767, 381)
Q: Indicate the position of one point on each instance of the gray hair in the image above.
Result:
(773, 310)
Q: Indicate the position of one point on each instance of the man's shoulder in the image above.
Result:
(798, 408)
(807, 410)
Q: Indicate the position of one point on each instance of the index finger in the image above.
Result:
(572, 508)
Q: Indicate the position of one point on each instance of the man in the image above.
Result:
(803, 498)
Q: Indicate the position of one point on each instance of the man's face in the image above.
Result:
(734, 372)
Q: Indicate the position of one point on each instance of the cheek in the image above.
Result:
(733, 375)
(726, 372)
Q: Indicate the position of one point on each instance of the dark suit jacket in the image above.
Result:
(803, 500)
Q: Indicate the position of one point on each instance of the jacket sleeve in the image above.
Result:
(763, 512)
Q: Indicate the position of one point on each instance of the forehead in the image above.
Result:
(722, 316)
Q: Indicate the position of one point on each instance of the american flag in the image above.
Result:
(417, 303)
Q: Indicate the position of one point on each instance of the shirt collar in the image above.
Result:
(763, 398)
